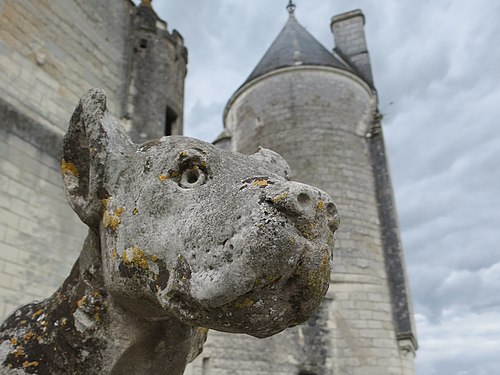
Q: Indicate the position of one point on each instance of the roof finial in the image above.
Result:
(291, 7)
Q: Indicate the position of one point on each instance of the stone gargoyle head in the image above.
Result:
(182, 235)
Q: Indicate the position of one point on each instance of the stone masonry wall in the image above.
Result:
(40, 236)
(51, 52)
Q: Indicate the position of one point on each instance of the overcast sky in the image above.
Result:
(437, 68)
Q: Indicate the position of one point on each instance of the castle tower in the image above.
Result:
(158, 66)
(319, 111)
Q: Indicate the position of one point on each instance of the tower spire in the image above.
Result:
(291, 7)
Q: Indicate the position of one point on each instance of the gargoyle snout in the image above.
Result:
(305, 203)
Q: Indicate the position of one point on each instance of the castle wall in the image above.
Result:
(318, 119)
(51, 52)
(40, 236)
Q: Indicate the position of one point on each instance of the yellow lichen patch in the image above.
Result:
(68, 168)
(81, 301)
(29, 335)
(27, 364)
(13, 340)
(97, 317)
(112, 219)
(318, 278)
(260, 183)
(309, 230)
(105, 202)
(320, 206)
(19, 352)
(134, 256)
(173, 174)
(36, 314)
(163, 177)
(64, 321)
(280, 197)
(183, 154)
(154, 258)
(114, 254)
(202, 330)
(245, 304)
(135, 211)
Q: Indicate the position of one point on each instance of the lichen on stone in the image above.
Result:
(246, 303)
(260, 183)
(68, 168)
(112, 219)
(27, 364)
(320, 206)
(273, 278)
(81, 301)
(280, 197)
(316, 279)
(134, 256)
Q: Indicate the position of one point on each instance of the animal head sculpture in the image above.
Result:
(182, 235)
(214, 238)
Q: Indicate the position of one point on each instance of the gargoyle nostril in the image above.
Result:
(331, 209)
(303, 198)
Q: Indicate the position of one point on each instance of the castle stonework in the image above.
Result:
(316, 108)
(50, 54)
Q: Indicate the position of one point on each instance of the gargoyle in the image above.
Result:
(183, 237)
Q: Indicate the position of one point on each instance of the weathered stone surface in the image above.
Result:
(182, 235)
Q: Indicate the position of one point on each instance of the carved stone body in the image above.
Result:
(182, 235)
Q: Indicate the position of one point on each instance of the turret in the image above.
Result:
(157, 69)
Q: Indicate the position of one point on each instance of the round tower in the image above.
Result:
(319, 113)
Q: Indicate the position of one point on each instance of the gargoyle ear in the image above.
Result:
(93, 154)
(273, 161)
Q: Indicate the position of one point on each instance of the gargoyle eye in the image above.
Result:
(192, 177)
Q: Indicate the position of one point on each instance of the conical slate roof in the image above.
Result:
(294, 46)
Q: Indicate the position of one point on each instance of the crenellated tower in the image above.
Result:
(157, 70)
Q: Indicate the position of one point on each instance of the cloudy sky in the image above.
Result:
(437, 69)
